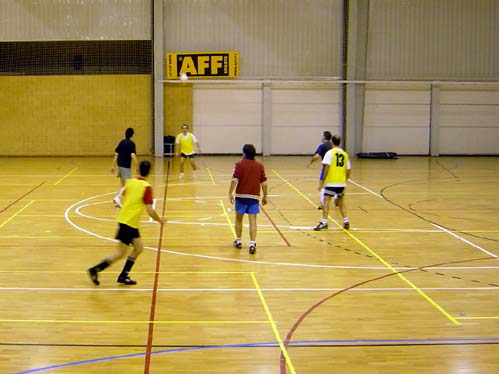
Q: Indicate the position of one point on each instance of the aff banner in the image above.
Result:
(202, 65)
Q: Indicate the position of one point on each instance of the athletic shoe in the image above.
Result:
(93, 276)
(320, 207)
(237, 244)
(127, 281)
(346, 225)
(181, 176)
(321, 226)
(252, 248)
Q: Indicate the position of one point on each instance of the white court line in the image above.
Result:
(366, 189)
(78, 211)
(88, 232)
(438, 227)
(122, 289)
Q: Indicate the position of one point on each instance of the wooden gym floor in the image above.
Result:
(413, 287)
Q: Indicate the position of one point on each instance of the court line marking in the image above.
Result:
(379, 258)
(154, 293)
(347, 343)
(435, 225)
(131, 322)
(16, 213)
(121, 289)
(479, 317)
(21, 197)
(226, 215)
(216, 258)
(65, 176)
(284, 352)
(211, 176)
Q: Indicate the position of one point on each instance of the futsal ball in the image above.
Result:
(183, 77)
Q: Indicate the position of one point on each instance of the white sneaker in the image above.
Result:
(181, 176)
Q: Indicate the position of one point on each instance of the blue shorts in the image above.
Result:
(246, 205)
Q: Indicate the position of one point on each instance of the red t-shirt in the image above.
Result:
(248, 174)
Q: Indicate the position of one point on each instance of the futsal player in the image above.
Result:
(137, 196)
(319, 154)
(248, 177)
(124, 157)
(187, 143)
(337, 170)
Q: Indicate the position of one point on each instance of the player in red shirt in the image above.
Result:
(248, 176)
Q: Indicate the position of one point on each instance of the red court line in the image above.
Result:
(320, 302)
(276, 228)
(152, 313)
(22, 197)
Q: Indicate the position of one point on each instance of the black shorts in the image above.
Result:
(335, 192)
(192, 155)
(126, 234)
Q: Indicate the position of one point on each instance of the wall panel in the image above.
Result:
(469, 119)
(73, 115)
(433, 39)
(275, 38)
(226, 118)
(301, 115)
(396, 119)
(75, 20)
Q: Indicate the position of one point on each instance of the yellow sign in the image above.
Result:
(202, 65)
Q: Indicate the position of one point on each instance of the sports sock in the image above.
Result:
(104, 264)
(130, 261)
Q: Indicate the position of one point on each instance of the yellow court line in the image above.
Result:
(478, 317)
(16, 213)
(272, 324)
(172, 322)
(231, 225)
(211, 177)
(64, 177)
(380, 259)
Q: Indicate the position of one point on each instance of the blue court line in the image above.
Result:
(268, 344)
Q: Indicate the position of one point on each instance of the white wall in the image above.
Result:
(301, 114)
(469, 119)
(397, 119)
(226, 117)
(28, 20)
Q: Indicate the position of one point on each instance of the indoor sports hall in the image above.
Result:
(409, 86)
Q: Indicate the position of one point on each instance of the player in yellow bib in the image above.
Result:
(187, 143)
(138, 196)
(337, 170)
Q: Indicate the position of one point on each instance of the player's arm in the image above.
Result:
(323, 180)
(233, 184)
(135, 162)
(154, 215)
(314, 158)
(264, 190)
(196, 143)
(177, 145)
(115, 162)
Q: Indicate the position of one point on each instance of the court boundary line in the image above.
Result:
(282, 347)
(378, 257)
